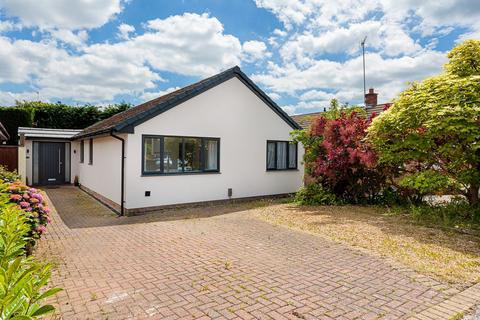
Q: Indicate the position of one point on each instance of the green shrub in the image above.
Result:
(21, 279)
(12, 118)
(390, 197)
(8, 176)
(426, 182)
(457, 213)
(315, 194)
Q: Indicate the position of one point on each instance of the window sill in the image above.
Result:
(273, 170)
(145, 174)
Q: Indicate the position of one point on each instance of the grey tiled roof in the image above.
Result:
(126, 120)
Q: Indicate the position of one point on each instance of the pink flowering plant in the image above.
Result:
(32, 202)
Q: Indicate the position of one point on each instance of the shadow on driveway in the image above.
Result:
(80, 210)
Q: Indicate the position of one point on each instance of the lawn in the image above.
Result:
(447, 255)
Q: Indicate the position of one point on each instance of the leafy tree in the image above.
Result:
(338, 158)
(433, 128)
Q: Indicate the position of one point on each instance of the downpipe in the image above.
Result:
(122, 174)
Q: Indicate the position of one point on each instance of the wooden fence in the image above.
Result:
(9, 157)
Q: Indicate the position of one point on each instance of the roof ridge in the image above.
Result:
(126, 120)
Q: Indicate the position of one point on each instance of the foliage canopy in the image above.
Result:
(434, 126)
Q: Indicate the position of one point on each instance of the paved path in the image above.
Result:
(224, 267)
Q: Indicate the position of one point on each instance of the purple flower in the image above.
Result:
(24, 204)
(41, 229)
(46, 210)
(15, 197)
(38, 196)
(28, 209)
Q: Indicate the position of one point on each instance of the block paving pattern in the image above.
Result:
(230, 266)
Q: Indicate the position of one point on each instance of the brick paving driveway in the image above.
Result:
(227, 266)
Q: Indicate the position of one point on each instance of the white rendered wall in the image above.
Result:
(28, 161)
(103, 176)
(231, 112)
(74, 160)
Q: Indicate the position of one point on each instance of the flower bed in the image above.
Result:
(33, 203)
(24, 215)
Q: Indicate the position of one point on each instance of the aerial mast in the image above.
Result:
(364, 84)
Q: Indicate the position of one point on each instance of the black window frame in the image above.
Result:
(82, 151)
(183, 172)
(90, 152)
(288, 168)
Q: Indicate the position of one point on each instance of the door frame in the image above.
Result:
(35, 154)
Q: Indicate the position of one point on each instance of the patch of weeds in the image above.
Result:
(457, 316)
(93, 296)
(230, 310)
(264, 297)
(243, 287)
(228, 265)
(204, 287)
(381, 315)
(290, 303)
(298, 315)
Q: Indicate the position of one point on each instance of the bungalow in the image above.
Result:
(220, 138)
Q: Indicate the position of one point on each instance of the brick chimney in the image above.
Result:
(371, 98)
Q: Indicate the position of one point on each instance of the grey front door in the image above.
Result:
(51, 163)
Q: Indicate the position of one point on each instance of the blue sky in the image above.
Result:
(302, 53)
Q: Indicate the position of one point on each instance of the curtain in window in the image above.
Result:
(282, 155)
(271, 155)
(292, 156)
(211, 155)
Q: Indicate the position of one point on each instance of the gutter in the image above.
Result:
(122, 174)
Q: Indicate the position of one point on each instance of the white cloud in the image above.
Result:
(189, 44)
(402, 37)
(149, 95)
(274, 95)
(76, 39)
(8, 98)
(6, 26)
(255, 50)
(315, 95)
(388, 75)
(62, 14)
(124, 31)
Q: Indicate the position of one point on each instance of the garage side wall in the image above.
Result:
(242, 121)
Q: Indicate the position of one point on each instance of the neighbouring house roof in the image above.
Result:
(4, 136)
(379, 108)
(128, 119)
(47, 133)
(305, 120)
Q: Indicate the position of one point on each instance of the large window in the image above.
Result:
(173, 155)
(281, 155)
